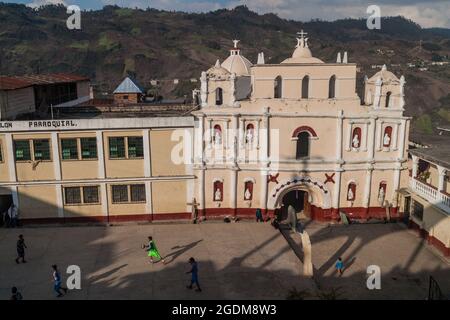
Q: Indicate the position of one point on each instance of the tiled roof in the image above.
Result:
(18, 82)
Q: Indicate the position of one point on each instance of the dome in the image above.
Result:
(236, 63)
(384, 75)
(217, 71)
(302, 53)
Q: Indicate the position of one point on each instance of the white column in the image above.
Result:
(415, 166)
(339, 129)
(59, 200)
(349, 136)
(372, 136)
(211, 133)
(55, 156)
(366, 135)
(442, 172)
(235, 138)
(395, 136)
(264, 190)
(201, 188)
(233, 188)
(397, 173)
(200, 138)
(368, 184)
(148, 198)
(337, 189)
(100, 155)
(11, 159)
(147, 158)
(257, 133)
(15, 195)
(401, 147)
(242, 133)
(104, 198)
(380, 135)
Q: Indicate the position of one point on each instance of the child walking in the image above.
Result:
(153, 252)
(194, 274)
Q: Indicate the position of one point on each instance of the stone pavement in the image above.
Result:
(236, 261)
(406, 261)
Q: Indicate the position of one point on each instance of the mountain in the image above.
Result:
(152, 44)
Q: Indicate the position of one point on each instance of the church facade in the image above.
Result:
(262, 136)
(296, 134)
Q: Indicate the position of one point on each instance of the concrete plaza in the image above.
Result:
(236, 261)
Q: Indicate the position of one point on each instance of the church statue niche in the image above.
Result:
(248, 192)
(356, 140)
(387, 137)
(218, 191)
(250, 134)
(217, 135)
(351, 192)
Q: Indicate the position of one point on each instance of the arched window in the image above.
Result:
(248, 190)
(278, 88)
(388, 99)
(305, 87)
(217, 138)
(250, 133)
(218, 191)
(387, 137)
(219, 96)
(351, 191)
(302, 145)
(332, 88)
(356, 138)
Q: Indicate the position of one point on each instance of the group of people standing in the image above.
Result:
(153, 253)
(56, 275)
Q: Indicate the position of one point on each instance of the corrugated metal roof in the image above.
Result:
(128, 86)
(18, 82)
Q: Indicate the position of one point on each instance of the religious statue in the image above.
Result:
(356, 141)
(350, 195)
(217, 137)
(218, 195)
(249, 136)
(381, 195)
(386, 140)
(247, 194)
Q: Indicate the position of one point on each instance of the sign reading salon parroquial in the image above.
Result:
(95, 124)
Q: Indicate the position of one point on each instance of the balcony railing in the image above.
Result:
(435, 197)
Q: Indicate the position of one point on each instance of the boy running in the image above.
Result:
(153, 251)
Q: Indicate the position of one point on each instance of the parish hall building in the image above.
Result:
(258, 135)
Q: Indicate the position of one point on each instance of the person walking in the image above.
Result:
(15, 294)
(153, 252)
(259, 216)
(57, 282)
(340, 266)
(194, 275)
(21, 249)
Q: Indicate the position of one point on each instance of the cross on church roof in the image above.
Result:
(235, 42)
(302, 41)
(302, 34)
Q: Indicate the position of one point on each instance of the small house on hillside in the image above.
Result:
(128, 92)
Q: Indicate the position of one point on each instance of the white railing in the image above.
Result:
(435, 197)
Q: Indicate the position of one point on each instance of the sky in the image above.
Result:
(434, 13)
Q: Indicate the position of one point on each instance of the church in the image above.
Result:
(259, 136)
(296, 134)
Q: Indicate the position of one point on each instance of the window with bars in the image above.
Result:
(41, 149)
(72, 195)
(116, 147)
(88, 148)
(135, 147)
(22, 150)
(119, 193)
(69, 149)
(90, 194)
(137, 192)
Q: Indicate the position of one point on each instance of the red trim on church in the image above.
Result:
(304, 128)
(430, 239)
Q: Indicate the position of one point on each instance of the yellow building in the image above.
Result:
(263, 136)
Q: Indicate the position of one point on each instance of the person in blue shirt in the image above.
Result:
(340, 266)
(194, 275)
(57, 282)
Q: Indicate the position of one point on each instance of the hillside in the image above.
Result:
(152, 44)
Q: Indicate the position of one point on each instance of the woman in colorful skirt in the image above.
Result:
(153, 252)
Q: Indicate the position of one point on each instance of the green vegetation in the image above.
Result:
(124, 12)
(424, 124)
(135, 31)
(82, 45)
(107, 43)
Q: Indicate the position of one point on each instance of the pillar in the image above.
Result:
(55, 156)
(100, 155)
(415, 166)
(11, 159)
(147, 158)
(442, 173)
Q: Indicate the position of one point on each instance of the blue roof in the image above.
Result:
(128, 86)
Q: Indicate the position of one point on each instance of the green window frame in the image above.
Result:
(72, 195)
(22, 150)
(41, 149)
(116, 147)
(119, 193)
(137, 192)
(135, 147)
(88, 148)
(69, 149)
(90, 194)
